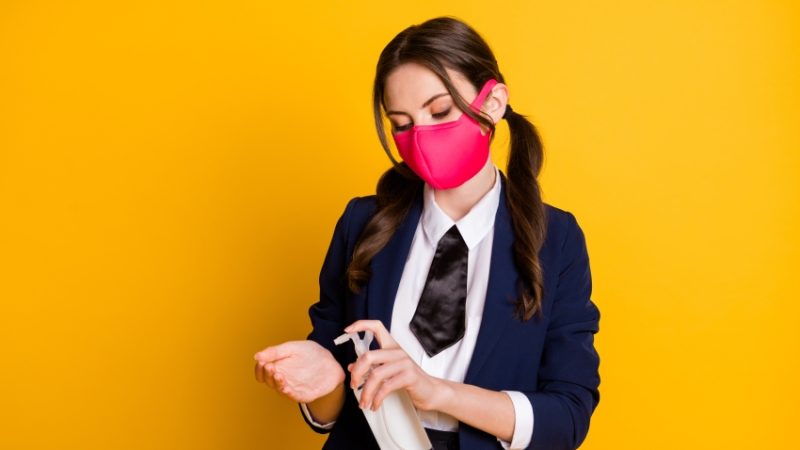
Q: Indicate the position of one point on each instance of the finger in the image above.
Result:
(385, 340)
(377, 328)
(366, 361)
(376, 378)
(283, 386)
(258, 373)
(280, 382)
(269, 375)
(265, 375)
(273, 353)
(360, 369)
(403, 379)
(277, 377)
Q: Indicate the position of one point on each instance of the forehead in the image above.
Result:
(409, 85)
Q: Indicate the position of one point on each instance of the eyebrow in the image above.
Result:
(427, 102)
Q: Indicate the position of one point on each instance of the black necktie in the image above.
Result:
(439, 320)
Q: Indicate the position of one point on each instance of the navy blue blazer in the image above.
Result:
(552, 361)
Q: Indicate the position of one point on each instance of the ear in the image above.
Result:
(496, 101)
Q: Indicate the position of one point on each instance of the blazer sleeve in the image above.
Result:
(327, 314)
(567, 392)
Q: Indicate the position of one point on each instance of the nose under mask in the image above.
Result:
(447, 154)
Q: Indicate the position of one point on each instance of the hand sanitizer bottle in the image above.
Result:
(395, 425)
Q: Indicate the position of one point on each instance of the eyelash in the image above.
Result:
(437, 116)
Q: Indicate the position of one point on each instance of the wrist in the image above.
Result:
(336, 373)
(340, 375)
(443, 395)
(326, 408)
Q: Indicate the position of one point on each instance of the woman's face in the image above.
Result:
(414, 95)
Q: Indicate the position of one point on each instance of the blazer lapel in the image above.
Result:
(501, 290)
(387, 268)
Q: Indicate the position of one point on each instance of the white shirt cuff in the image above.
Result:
(310, 418)
(523, 422)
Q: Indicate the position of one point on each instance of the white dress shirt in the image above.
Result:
(476, 227)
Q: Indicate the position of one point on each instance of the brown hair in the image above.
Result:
(440, 43)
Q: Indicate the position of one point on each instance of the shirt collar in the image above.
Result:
(473, 226)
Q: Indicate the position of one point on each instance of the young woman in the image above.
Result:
(477, 291)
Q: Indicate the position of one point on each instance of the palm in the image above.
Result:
(309, 371)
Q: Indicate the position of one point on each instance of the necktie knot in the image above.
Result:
(451, 240)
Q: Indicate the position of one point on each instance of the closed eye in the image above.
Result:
(408, 126)
(401, 128)
(442, 114)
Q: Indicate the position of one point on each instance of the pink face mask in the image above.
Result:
(446, 155)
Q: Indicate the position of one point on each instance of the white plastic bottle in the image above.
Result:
(396, 424)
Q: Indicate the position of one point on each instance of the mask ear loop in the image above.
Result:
(478, 102)
(484, 92)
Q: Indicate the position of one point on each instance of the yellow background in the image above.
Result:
(171, 172)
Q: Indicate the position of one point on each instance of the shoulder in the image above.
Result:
(356, 214)
(362, 204)
(564, 236)
(559, 221)
(360, 208)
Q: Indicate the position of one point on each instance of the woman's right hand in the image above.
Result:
(302, 370)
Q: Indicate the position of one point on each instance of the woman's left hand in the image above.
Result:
(390, 368)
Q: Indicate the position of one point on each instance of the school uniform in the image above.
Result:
(549, 367)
